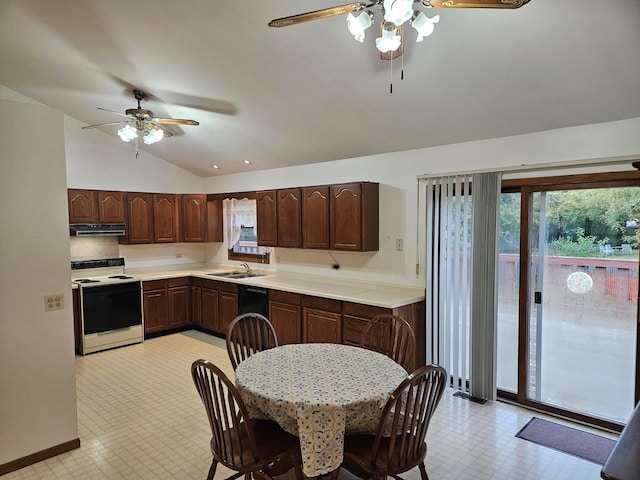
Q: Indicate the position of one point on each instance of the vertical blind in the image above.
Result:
(461, 246)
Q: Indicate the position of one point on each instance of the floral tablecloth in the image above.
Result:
(318, 391)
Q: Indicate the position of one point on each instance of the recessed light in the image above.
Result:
(216, 167)
(247, 162)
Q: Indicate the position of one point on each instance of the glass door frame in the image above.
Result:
(526, 187)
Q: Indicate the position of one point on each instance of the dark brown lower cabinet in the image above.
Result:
(321, 320)
(196, 301)
(209, 305)
(166, 304)
(285, 314)
(154, 301)
(178, 302)
(228, 304)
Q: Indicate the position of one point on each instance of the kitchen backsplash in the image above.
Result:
(92, 248)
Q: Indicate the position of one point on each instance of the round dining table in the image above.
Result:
(319, 392)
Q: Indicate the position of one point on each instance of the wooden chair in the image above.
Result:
(247, 334)
(242, 444)
(408, 412)
(392, 336)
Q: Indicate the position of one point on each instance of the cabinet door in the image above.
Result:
(178, 302)
(209, 309)
(286, 320)
(83, 207)
(139, 218)
(321, 327)
(289, 218)
(156, 313)
(111, 207)
(354, 213)
(228, 309)
(165, 217)
(346, 217)
(315, 217)
(267, 219)
(196, 304)
(193, 219)
(215, 224)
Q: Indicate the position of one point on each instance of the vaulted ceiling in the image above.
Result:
(310, 93)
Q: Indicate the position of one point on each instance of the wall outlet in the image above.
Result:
(53, 302)
(399, 244)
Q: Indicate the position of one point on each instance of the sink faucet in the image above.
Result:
(246, 267)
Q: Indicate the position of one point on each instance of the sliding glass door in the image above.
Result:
(568, 298)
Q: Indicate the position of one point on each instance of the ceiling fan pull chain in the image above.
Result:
(402, 64)
(391, 75)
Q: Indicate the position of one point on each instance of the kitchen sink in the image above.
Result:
(235, 274)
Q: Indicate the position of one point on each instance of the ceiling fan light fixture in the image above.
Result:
(397, 11)
(152, 135)
(127, 133)
(389, 41)
(357, 25)
(423, 24)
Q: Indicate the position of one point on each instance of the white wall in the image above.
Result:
(397, 172)
(37, 363)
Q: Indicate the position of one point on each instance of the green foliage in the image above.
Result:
(582, 246)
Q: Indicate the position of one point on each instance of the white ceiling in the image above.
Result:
(310, 93)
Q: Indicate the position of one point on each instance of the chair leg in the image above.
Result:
(212, 470)
(297, 469)
(335, 473)
(423, 471)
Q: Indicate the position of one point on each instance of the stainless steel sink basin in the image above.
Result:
(235, 274)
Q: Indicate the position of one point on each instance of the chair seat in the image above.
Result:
(270, 440)
(358, 450)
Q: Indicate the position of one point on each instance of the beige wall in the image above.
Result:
(37, 364)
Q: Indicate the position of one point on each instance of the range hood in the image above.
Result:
(97, 229)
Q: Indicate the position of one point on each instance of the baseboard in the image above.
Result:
(39, 456)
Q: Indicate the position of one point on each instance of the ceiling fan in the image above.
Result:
(395, 13)
(141, 121)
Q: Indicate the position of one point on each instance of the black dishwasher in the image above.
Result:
(253, 300)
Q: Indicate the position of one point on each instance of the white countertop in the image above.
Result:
(367, 293)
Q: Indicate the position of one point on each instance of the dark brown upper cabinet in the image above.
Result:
(315, 217)
(139, 208)
(215, 224)
(96, 206)
(194, 217)
(354, 210)
(165, 217)
(111, 207)
(289, 218)
(83, 206)
(267, 218)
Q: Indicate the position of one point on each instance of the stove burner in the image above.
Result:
(121, 277)
(86, 280)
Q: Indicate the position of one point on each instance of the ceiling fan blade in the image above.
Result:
(108, 124)
(474, 3)
(111, 111)
(167, 133)
(326, 12)
(175, 121)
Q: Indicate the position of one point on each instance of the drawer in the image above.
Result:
(228, 287)
(364, 311)
(154, 285)
(178, 282)
(285, 297)
(352, 328)
(209, 284)
(326, 304)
